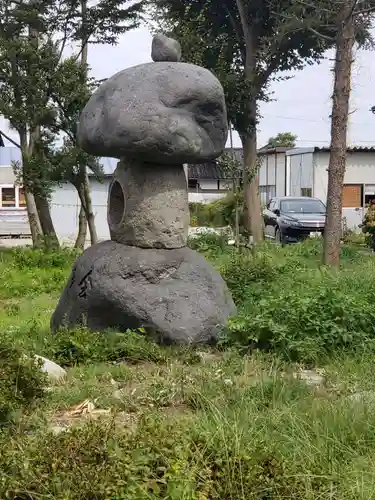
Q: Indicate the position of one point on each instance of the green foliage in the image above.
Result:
(221, 212)
(210, 244)
(82, 346)
(42, 93)
(230, 165)
(224, 210)
(104, 21)
(22, 383)
(281, 40)
(29, 258)
(196, 425)
(271, 438)
(283, 140)
(245, 274)
(368, 226)
(301, 312)
(200, 214)
(29, 272)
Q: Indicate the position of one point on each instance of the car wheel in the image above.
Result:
(278, 237)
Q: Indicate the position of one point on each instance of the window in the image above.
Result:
(8, 197)
(352, 196)
(193, 185)
(369, 191)
(22, 201)
(302, 206)
(306, 192)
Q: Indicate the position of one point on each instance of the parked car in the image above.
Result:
(289, 220)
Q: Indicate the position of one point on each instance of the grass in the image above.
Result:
(233, 422)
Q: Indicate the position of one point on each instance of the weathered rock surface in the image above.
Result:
(52, 369)
(175, 295)
(164, 48)
(148, 205)
(157, 112)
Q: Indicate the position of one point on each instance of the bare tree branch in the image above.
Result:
(320, 35)
(235, 28)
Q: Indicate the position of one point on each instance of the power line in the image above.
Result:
(322, 120)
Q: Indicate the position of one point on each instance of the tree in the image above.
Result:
(233, 170)
(33, 36)
(282, 140)
(353, 16)
(102, 23)
(246, 44)
(27, 57)
(70, 90)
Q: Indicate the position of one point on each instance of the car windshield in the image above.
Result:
(303, 206)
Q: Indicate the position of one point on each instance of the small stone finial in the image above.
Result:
(165, 49)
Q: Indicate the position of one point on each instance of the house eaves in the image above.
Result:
(350, 149)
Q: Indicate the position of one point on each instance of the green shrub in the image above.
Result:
(273, 440)
(82, 346)
(22, 383)
(368, 226)
(219, 213)
(27, 258)
(307, 320)
(199, 214)
(246, 272)
(31, 272)
(211, 245)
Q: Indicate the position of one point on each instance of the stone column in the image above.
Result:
(148, 205)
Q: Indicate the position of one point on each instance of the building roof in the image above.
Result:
(206, 171)
(350, 149)
(268, 151)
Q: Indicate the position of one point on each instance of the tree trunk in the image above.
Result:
(82, 229)
(83, 188)
(34, 134)
(84, 44)
(32, 211)
(89, 210)
(339, 121)
(46, 222)
(249, 138)
(34, 222)
(86, 214)
(251, 187)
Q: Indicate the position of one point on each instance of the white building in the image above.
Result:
(307, 175)
(65, 204)
(283, 172)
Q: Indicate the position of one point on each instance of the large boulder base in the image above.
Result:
(176, 295)
(165, 112)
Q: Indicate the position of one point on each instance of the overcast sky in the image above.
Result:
(302, 104)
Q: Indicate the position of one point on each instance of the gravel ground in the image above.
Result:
(14, 242)
(22, 242)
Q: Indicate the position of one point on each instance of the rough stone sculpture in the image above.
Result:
(167, 113)
(154, 117)
(156, 211)
(173, 293)
(164, 48)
